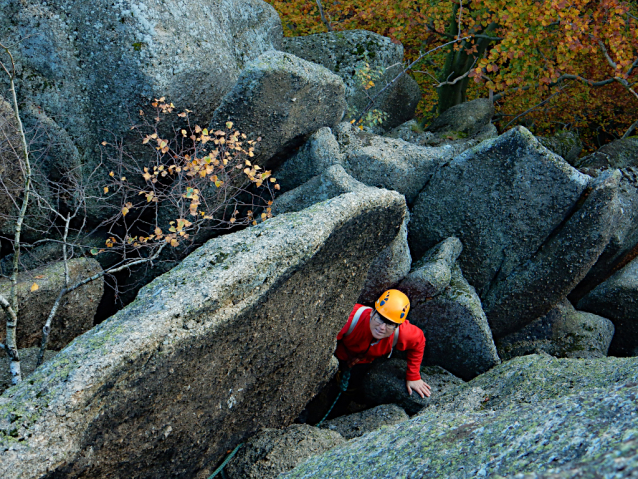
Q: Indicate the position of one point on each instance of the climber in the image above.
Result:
(372, 333)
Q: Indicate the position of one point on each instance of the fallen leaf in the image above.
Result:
(34, 287)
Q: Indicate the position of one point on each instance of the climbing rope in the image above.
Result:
(226, 461)
(343, 386)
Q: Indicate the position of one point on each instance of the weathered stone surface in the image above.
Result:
(502, 199)
(334, 181)
(565, 144)
(235, 338)
(617, 154)
(76, 311)
(358, 424)
(432, 273)
(552, 413)
(387, 162)
(617, 299)
(458, 337)
(88, 66)
(385, 384)
(390, 267)
(273, 451)
(465, 119)
(28, 360)
(563, 333)
(282, 99)
(624, 237)
(412, 132)
(347, 51)
(315, 156)
(535, 287)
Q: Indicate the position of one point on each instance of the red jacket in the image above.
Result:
(411, 339)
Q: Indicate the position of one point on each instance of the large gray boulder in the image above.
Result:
(348, 51)
(388, 162)
(385, 384)
(389, 268)
(360, 423)
(563, 260)
(617, 299)
(77, 308)
(273, 451)
(10, 171)
(412, 132)
(502, 199)
(433, 272)
(89, 65)
(314, 157)
(624, 237)
(282, 99)
(464, 120)
(28, 361)
(334, 181)
(458, 337)
(563, 333)
(553, 414)
(237, 337)
(617, 154)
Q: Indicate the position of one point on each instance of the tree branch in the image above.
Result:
(629, 131)
(323, 17)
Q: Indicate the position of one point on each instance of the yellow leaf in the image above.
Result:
(35, 287)
(104, 143)
(111, 174)
(106, 189)
(174, 242)
(229, 124)
(40, 276)
(125, 210)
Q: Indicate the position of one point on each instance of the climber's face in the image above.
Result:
(379, 328)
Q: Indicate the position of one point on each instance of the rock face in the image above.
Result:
(502, 199)
(412, 132)
(565, 144)
(9, 168)
(617, 299)
(617, 154)
(282, 99)
(465, 119)
(332, 182)
(563, 333)
(273, 451)
(387, 162)
(89, 65)
(346, 52)
(358, 424)
(388, 268)
(432, 273)
(535, 287)
(624, 237)
(458, 337)
(76, 312)
(385, 384)
(315, 156)
(235, 338)
(550, 413)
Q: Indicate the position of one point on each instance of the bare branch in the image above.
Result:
(630, 130)
(535, 106)
(325, 21)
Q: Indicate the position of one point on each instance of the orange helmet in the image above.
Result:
(393, 305)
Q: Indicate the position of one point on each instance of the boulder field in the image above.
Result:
(237, 337)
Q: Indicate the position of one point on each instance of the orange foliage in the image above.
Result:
(581, 53)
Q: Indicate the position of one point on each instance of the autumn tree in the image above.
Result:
(561, 63)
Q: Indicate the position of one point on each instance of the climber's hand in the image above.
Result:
(419, 386)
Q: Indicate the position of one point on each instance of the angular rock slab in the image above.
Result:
(617, 154)
(314, 157)
(346, 51)
(385, 384)
(563, 333)
(273, 451)
(390, 267)
(617, 299)
(536, 286)
(77, 309)
(565, 144)
(282, 99)
(466, 119)
(360, 423)
(501, 198)
(235, 338)
(432, 273)
(332, 182)
(580, 421)
(387, 162)
(458, 337)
